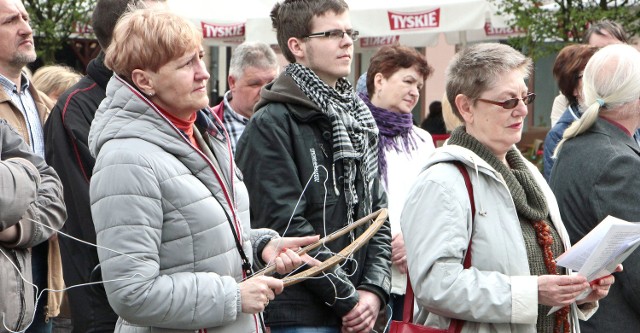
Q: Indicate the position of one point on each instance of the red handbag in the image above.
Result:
(406, 325)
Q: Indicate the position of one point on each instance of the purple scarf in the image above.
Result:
(391, 126)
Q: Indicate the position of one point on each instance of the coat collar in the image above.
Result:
(608, 129)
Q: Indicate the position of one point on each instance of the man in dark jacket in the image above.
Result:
(309, 161)
(67, 151)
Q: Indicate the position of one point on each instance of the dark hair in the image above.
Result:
(613, 28)
(435, 109)
(292, 18)
(105, 16)
(568, 67)
(389, 59)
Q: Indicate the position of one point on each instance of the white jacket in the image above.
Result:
(497, 294)
(402, 170)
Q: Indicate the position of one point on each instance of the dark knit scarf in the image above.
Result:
(355, 135)
(527, 195)
(394, 132)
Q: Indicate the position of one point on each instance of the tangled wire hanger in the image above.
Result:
(378, 217)
(40, 293)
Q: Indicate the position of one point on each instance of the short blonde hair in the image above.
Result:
(55, 79)
(149, 38)
(451, 121)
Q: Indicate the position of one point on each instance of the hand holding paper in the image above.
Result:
(599, 253)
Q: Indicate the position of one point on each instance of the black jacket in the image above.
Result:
(285, 141)
(66, 132)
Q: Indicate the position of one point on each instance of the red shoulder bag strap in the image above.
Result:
(407, 312)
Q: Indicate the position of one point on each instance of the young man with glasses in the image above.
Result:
(309, 159)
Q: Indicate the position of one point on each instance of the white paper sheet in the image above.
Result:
(599, 252)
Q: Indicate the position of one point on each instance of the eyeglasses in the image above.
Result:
(335, 34)
(512, 103)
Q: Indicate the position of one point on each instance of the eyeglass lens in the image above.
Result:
(512, 103)
(340, 34)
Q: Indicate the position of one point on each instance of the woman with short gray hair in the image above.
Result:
(504, 210)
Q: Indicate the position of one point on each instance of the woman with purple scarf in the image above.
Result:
(395, 78)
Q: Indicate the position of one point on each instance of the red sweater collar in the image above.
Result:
(185, 126)
(618, 125)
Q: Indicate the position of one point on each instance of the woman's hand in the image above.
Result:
(560, 290)
(399, 253)
(256, 293)
(282, 252)
(363, 316)
(600, 287)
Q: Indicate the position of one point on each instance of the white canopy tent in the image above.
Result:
(418, 23)
(380, 22)
(222, 23)
(409, 22)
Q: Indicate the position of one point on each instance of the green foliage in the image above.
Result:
(53, 21)
(549, 29)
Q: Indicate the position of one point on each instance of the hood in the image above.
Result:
(477, 166)
(450, 153)
(125, 113)
(284, 90)
(99, 72)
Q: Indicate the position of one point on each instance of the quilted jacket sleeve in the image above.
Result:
(126, 203)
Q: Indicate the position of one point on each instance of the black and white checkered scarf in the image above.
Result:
(355, 135)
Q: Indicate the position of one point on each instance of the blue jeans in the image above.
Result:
(305, 329)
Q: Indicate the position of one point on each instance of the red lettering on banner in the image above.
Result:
(222, 31)
(378, 41)
(82, 28)
(490, 30)
(408, 21)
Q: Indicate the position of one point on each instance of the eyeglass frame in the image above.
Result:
(354, 34)
(526, 100)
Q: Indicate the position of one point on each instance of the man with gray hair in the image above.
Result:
(253, 65)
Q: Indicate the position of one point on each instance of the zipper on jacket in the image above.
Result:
(21, 287)
(335, 186)
(323, 151)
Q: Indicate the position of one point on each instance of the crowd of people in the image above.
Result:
(130, 203)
